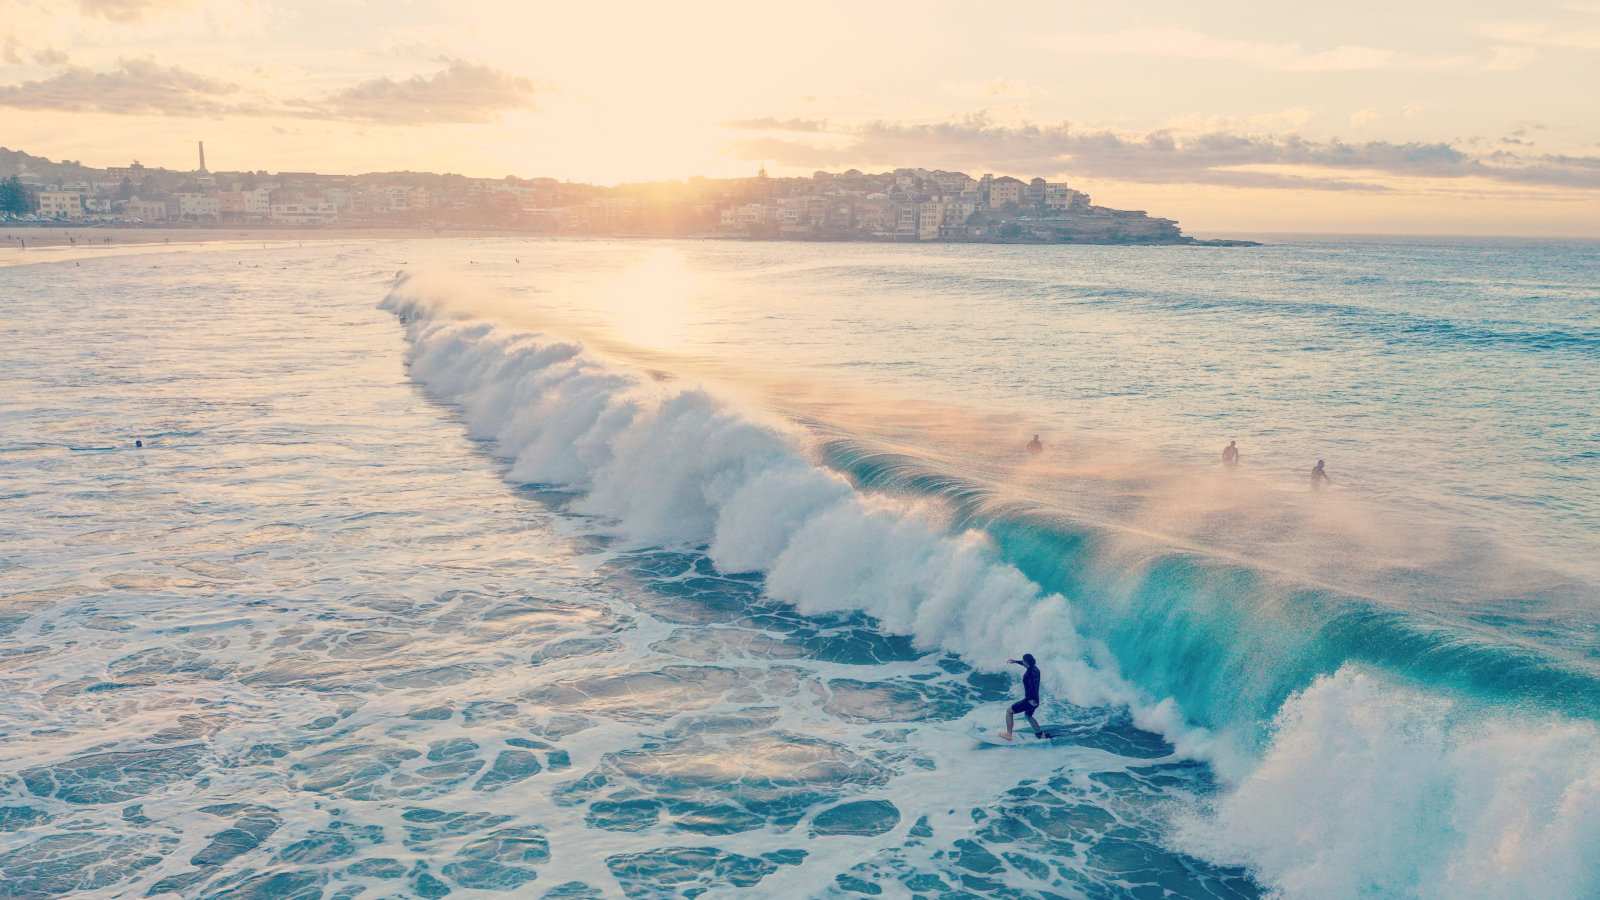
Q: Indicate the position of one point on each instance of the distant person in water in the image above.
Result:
(138, 445)
(1319, 476)
(1035, 447)
(1230, 454)
(1030, 697)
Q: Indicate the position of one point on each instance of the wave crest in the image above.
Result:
(1360, 786)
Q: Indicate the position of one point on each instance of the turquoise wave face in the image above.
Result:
(1232, 642)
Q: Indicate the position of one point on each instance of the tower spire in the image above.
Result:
(202, 169)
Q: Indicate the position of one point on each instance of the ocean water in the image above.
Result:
(652, 569)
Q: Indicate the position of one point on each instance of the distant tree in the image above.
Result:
(125, 189)
(14, 198)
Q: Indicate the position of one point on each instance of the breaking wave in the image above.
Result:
(1362, 751)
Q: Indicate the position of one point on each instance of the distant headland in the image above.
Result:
(904, 205)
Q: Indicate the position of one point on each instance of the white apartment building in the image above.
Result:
(1057, 195)
(146, 210)
(251, 204)
(1004, 190)
(943, 218)
(930, 218)
(257, 202)
(794, 211)
(61, 204)
(303, 210)
(404, 197)
(199, 206)
(905, 220)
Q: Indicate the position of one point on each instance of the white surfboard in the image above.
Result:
(994, 735)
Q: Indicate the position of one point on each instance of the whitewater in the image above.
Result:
(656, 568)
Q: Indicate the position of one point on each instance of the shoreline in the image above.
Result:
(28, 236)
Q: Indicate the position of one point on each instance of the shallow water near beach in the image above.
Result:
(651, 568)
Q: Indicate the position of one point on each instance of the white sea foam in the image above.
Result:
(669, 463)
(1364, 789)
(1370, 789)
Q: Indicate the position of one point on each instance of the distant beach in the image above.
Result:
(26, 244)
(14, 236)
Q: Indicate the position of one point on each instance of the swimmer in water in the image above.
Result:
(1230, 454)
(1319, 476)
(1035, 447)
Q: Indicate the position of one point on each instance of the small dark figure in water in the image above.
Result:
(138, 444)
(1030, 697)
(1035, 447)
(1319, 477)
(1230, 454)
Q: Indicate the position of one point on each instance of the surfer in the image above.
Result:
(1035, 447)
(1319, 476)
(1230, 454)
(1030, 698)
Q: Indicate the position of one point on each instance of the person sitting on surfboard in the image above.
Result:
(1030, 698)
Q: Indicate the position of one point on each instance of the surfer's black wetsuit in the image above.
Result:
(1030, 691)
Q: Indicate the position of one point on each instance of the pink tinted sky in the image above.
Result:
(1367, 116)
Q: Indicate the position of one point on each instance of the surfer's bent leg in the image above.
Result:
(1027, 709)
(1024, 707)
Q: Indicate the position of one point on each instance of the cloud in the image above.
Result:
(124, 10)
(134, 87)
(1179, 43)
(1217, 158)
(1531, 34)
(463, 93)
(1510, 58)
(767, 123)
(994, 89)
(1290, 119)
(50, 56)
(1361, 118)
(1520, 136)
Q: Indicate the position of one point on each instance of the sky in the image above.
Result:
(1405, 116)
